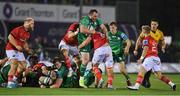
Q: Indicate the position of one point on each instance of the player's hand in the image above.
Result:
(30, 52)
(19, 48)
(163, 50)
(135, 52)
(126, 51)
(92, 31)
(139, 61)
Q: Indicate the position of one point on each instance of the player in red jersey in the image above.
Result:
(102, 54)
(68, 46)
(151, 61)
(14, 49)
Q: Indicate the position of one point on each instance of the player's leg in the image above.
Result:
(165, 79)
(76, 58)
(13, 57)
(139, 79)
(146, 66)
(85, 56)
(21, 67)
(109, 66)
(64, 48)
(146, 83)
(98, 57)
(158, 74)
(124, 72)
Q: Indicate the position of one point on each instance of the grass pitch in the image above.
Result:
(157, 88)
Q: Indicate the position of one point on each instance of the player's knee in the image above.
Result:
(14, 61)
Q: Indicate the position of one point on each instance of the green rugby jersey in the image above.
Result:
(116, 41)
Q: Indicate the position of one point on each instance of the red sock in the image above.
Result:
(97, 73)
(10, 77)
(165, 79)
(110, 80)
(68, 62)
(17, 74)
(139, 79)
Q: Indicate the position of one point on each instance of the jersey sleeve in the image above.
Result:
(15, 33)
(145, 42)
(100, 21)
(162, 36)
(141, 35)
(124, 36)
(72, 27)
(84, 22)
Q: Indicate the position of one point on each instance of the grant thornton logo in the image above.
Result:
(7, 10)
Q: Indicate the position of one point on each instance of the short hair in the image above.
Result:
(92, 11)
(28, 19)
(56, 59)
(146, 27)
(154, 20)
(113, 23)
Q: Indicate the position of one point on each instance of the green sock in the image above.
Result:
(82, 69)
(127, 77)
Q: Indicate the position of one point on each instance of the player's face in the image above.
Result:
(154, 25)
(94, 16)
(145, 32)
(31, 26)
(58, 64)
(113, 28)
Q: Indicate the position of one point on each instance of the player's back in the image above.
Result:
(152, 46)
(73, 40)
(99, 39)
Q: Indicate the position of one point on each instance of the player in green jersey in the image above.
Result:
(116, 39)
(88, 26)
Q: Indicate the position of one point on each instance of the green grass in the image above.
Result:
(157, 88)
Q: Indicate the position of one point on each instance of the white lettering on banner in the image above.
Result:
(51, 13)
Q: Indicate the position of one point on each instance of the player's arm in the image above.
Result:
(85, 42)
(12, 40)
(71, 30)
(128, 43)
(57, 83)
(138, 43)
(104, 29)
(163, 44)
(27, 49)
(85, 30)
(84, 27)
(143, 54)
(72, 34)
(3, 61)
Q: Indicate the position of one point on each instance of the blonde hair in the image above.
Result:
(146, 27)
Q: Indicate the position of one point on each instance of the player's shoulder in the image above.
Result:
(85, 18)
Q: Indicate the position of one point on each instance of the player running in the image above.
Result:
(102, 54)
(68, 45)
(88, 25)
(151, 60)
(116, 39)
(14, 49)
(159, 37)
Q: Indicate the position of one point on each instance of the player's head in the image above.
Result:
(57, 62)
(29, 24)
(146, 29)
(93, 13)
(113, 26)
(33, 60)
(154, 24)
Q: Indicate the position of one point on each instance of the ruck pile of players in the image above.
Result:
(76, 46)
